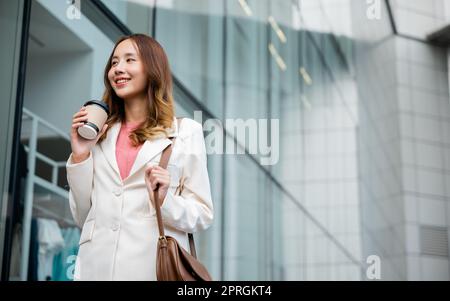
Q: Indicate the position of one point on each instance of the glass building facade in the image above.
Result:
(349, 100)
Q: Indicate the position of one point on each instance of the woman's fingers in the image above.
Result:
(157, 175)
(158, 169)
(162, 177)
(80, 113)
(77, 125)
(79, 118)
(83, 118)
(105, 126)
(158, 182)
(155, 169)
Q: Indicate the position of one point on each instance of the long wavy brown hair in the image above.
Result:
(159, 91)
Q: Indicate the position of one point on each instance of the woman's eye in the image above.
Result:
(113, 63)
(128, 60)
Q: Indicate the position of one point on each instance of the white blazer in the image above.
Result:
(119, 228)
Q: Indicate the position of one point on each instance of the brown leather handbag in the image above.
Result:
(173, 263)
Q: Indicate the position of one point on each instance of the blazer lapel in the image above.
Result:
(148, 151)
(108, 146)
(151, 149)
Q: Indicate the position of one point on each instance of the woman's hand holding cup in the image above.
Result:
(81, 147)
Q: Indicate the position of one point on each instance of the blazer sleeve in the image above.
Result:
(80, 178)
(192, 210)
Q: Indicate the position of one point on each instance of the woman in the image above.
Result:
(112, 178)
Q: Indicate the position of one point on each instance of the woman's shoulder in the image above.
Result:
(189, 127)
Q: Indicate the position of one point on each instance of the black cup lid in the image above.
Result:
(102, 104)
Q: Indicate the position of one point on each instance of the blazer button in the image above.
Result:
(115, 227)
(117, 191)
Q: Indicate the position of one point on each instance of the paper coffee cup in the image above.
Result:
(98, 112)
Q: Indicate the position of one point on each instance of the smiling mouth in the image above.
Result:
(122, 81)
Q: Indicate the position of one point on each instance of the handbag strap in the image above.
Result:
(163, 162)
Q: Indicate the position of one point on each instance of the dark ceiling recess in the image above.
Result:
(440, 37)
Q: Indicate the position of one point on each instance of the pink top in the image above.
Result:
(125, 151)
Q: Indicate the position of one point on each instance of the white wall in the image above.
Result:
(404, 85)
(424, 112)
(418, 18)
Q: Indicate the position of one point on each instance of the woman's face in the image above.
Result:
(127, 75)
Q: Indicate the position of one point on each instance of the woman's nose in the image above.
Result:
(118, 68)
